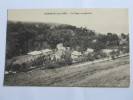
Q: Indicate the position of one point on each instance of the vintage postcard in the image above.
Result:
(67, 47)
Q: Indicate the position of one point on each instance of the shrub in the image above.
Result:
(90, 57)
(126, 50)
(113, 54)
(8, 67)
(16, 67)
(28, 64)
(103, 54)
(84, 59)
(68, 60)
(96, 55)
(37, 62)
(117, 52)
(62, 62)
(51, 64)
(59, 63)
(113, 57)
(23, 67)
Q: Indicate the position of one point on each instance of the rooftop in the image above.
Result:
(35, 53)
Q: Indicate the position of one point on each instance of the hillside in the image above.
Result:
(24, 37)
(114, 73)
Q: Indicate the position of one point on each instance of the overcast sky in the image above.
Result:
(100, 20)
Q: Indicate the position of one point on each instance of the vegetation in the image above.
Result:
(23, 37)
(113, 73)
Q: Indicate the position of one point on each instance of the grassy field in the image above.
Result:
(114, 73)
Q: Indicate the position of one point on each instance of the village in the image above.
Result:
(61, 57)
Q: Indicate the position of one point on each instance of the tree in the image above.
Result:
(123, 36)
(54, 39)
(112, 39)
(24, 38)
(97, 46)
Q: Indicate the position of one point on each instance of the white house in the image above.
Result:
(107, 50)
(59, 45)
(89, 50)
(59, 54)
(75, 55)
(47, 52)
(35, 54)
(61, 48)
(60, 51)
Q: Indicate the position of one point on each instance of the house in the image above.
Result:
(44, 52)
(61, 49)
(47, 52)
(75, 55)
(89, 50)
(59, 45)
(35, 54)
(107, 50)
(60, 52)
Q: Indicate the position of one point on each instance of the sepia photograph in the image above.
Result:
(86, 47)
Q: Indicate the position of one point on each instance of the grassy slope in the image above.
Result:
(110, 73)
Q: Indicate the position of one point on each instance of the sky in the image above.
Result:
(102, 20)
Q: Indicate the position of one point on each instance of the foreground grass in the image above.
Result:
(114, 73)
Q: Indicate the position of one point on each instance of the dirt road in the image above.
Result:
(109, 73)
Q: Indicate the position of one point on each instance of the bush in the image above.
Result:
(117, 52)
(23, 66)
(113, 54)
(103, 54)
(59, 63)
(37, 62)
(90, 57)
(62, 62)
(68, 60)
(126, 50)
(51, 64)
(28, 64)
(84, 59)
(96, 55)
(113, 57)
(8, 67)
(16, 67)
